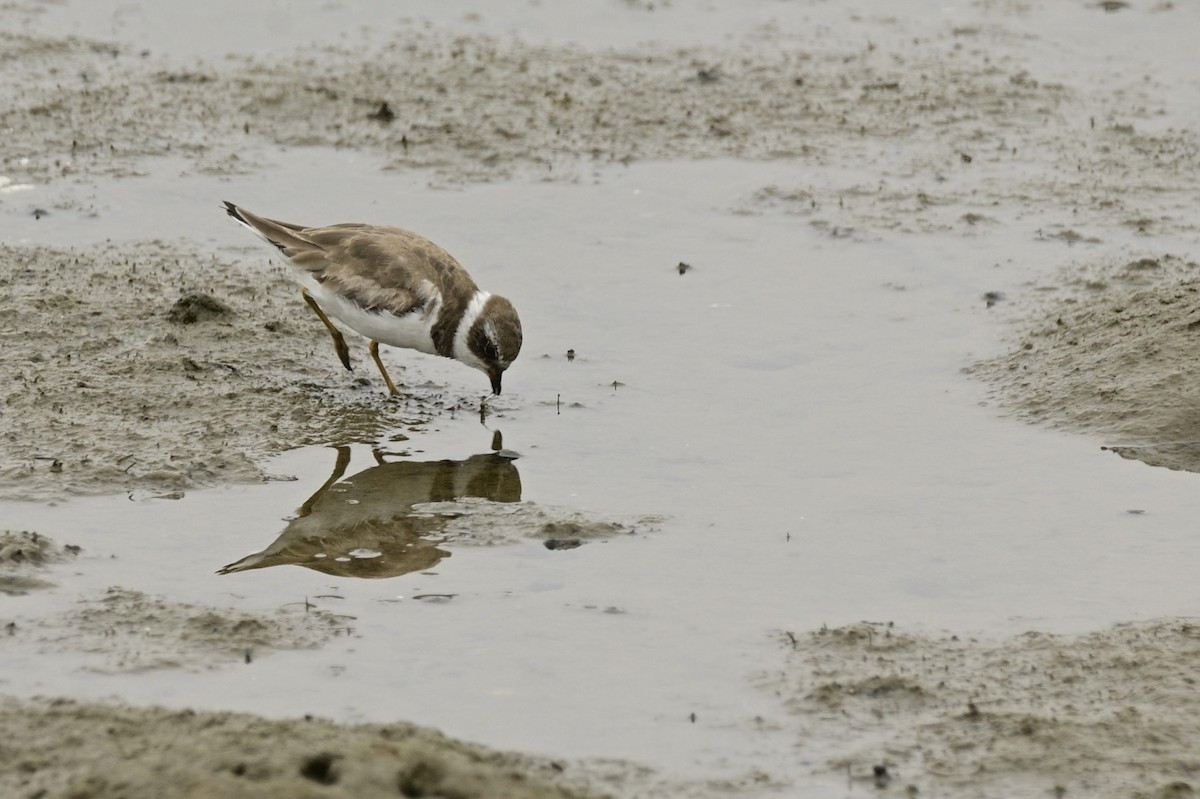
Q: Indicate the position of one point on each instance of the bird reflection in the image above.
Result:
(365, 525)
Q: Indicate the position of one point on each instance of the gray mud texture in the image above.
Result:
(1110, 351)
(181, 371)
(24, 555)
(129, 631)
(159, 367)
(475, 108)
(125, 753)
(945, 133)
(1110, 713)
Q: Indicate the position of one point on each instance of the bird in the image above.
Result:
(394, 287)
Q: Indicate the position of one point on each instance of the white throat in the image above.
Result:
(462, 352)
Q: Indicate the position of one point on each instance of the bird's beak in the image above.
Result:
(495, 376)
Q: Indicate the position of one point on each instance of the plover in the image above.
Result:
(397, 288)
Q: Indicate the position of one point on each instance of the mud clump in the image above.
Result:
(23, 555)
(197, 308)
(26, 548)
(1113, 354)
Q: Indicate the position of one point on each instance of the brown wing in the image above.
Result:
(380, 268)
(383, 268)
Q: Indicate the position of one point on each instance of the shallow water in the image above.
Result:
(793, 407)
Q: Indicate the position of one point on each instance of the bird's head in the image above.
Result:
(495, 339)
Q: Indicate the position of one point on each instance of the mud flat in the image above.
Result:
(151, 752)
(1109, 713)
(159, 366)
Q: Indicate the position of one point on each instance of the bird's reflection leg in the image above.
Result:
(339, 469)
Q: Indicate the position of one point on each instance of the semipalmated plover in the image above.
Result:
(396, 288)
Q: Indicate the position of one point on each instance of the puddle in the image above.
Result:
(791, 411)
(400, 517)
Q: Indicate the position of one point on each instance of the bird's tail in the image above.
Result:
(284, 236)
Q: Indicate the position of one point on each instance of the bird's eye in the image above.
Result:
(489, 351)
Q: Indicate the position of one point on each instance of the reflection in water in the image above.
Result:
(365, 526)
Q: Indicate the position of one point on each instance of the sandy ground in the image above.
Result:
(1110, 350)
(951, 136)
(145, 754)
(1112, 713)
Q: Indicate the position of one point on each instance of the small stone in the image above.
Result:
(384, 114)
(197, 308)
(562, 543)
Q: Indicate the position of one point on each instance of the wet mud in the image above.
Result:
(1109, 351)
(24, 556)
(1109, 713)
(181, 372)
(128, 631)
(158, 366)
(147, 753)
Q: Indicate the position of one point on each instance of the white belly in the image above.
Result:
(412, 331)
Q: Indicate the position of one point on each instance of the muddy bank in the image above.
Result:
(24, 555)
(1108, 347)
(137, 753)
(179, 370)
(1110, 713)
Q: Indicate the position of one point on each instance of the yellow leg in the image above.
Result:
(386, 378)
(339, 342)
